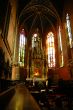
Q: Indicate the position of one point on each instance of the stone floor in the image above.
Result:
(22, 100)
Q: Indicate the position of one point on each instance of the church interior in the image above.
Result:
(36, 52)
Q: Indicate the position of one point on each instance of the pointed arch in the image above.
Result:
(22, 43)
(68, 26)
(61, 59)
(51, 50)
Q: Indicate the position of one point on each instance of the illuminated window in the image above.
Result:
(36, 45)
(60, 48)
(21, 48)
(34, 39)
(68, 25)
(51, 49)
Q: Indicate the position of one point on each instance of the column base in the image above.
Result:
(15, 72)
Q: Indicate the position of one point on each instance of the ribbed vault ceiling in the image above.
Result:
(39, 14)
(32, 14)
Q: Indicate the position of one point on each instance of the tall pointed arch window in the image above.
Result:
(51, 50)
(34, 39)
(61, 61)
(21, 48)
(68, 25)
(36, 45)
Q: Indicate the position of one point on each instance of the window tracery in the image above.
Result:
(60, 48)
(51, 50)
(21, 48)
(68, 26)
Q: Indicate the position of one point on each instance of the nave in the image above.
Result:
(19, 98)
(28, 97)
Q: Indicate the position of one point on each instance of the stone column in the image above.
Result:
(15, 67)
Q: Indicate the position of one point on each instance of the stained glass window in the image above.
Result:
(33, 40)
(21, 48)
(60, 48)
(68, 25)
(36, 45)
(51, 50)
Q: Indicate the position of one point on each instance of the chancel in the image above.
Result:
(36, 54)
